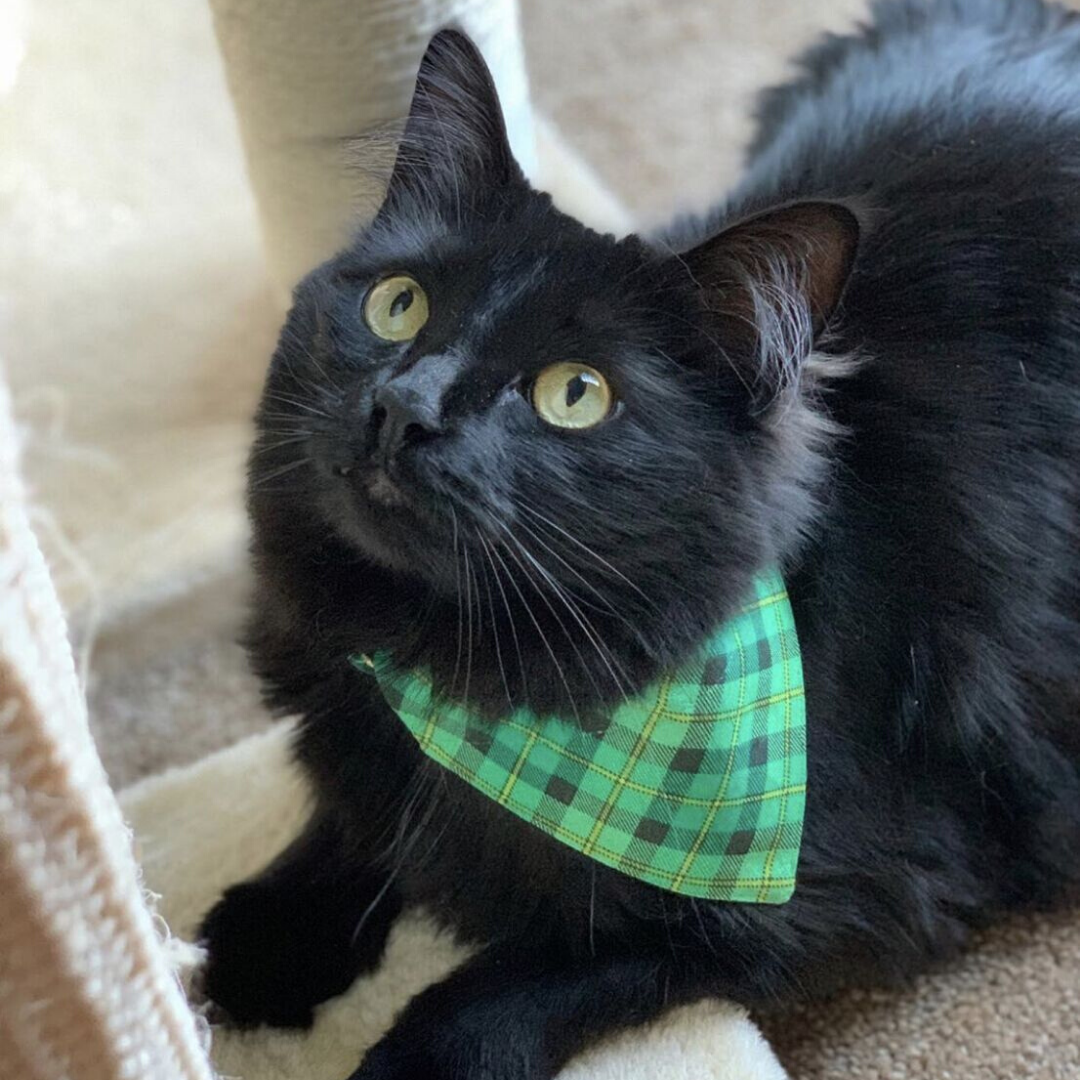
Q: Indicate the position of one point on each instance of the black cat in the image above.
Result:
(543, 463)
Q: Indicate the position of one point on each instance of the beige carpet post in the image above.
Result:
(86, 992)
(308, 76)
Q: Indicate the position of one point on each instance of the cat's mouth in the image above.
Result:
(387, 514)
(380, 488)
(375, 482)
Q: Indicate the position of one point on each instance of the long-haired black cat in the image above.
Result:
(542, 464)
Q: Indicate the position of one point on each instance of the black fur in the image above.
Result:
(915, 472)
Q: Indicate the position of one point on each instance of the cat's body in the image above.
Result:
(922, 495)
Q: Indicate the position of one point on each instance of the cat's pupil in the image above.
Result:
(402, 303)
(575, 391)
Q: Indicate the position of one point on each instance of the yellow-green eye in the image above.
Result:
(571, 395)
(396, 308)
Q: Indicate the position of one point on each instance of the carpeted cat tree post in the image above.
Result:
(308, 75)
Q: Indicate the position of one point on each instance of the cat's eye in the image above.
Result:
(569, 395)
(396, 308)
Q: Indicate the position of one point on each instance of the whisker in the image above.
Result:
(461, 614)
(266, 448)
(286, 416)
(588, 551)
(403, 841)
(604, 606)
(301, 380)
(590, 631)
(555, 615)
(321, 370)
(717, 344)
(296, 403)
(539, 630)
(468, 596)
(276, 473)
(495, 628)
(509, 615)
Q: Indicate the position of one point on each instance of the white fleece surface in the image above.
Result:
(208, 825)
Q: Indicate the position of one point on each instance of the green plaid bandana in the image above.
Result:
(697, 785)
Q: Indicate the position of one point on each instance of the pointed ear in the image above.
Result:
(455, 142)
(774, 280)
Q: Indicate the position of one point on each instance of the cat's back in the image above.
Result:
(911, 80)
(953, 128)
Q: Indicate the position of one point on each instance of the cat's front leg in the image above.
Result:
(516, 1012)
(298, 933)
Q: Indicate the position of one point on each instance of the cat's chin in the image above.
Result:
(378, 520)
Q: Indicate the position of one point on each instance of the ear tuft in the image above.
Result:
(774, 280)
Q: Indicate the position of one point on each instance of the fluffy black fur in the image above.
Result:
(865, 367)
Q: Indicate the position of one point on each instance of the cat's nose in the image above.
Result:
(403, 415)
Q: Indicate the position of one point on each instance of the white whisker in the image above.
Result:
(509, 615)
(276, 473)
(588, 551)
(587, 627)
(539, 630)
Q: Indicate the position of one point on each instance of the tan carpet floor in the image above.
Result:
(655, 93)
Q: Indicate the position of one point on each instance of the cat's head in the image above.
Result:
(583, 447)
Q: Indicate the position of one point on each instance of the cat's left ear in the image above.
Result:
(775, 279)
(455, 144)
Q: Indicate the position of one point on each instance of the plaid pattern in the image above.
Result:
(697, 786)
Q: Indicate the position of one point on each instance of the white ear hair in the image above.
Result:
(306, 75)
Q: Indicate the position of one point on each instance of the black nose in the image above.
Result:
(403, 416)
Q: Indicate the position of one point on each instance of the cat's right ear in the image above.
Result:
(455, 145)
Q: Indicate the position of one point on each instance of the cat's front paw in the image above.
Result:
(270, 957)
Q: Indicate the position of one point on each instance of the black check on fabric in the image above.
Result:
(697, 786)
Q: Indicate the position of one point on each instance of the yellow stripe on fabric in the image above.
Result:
(646, 870)
(631, 785)
(691, 855)
(732, 714)
(765, 601)
(426, 737)
(770, 857)
(511, 780)
(631, 761)
(428, 734)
